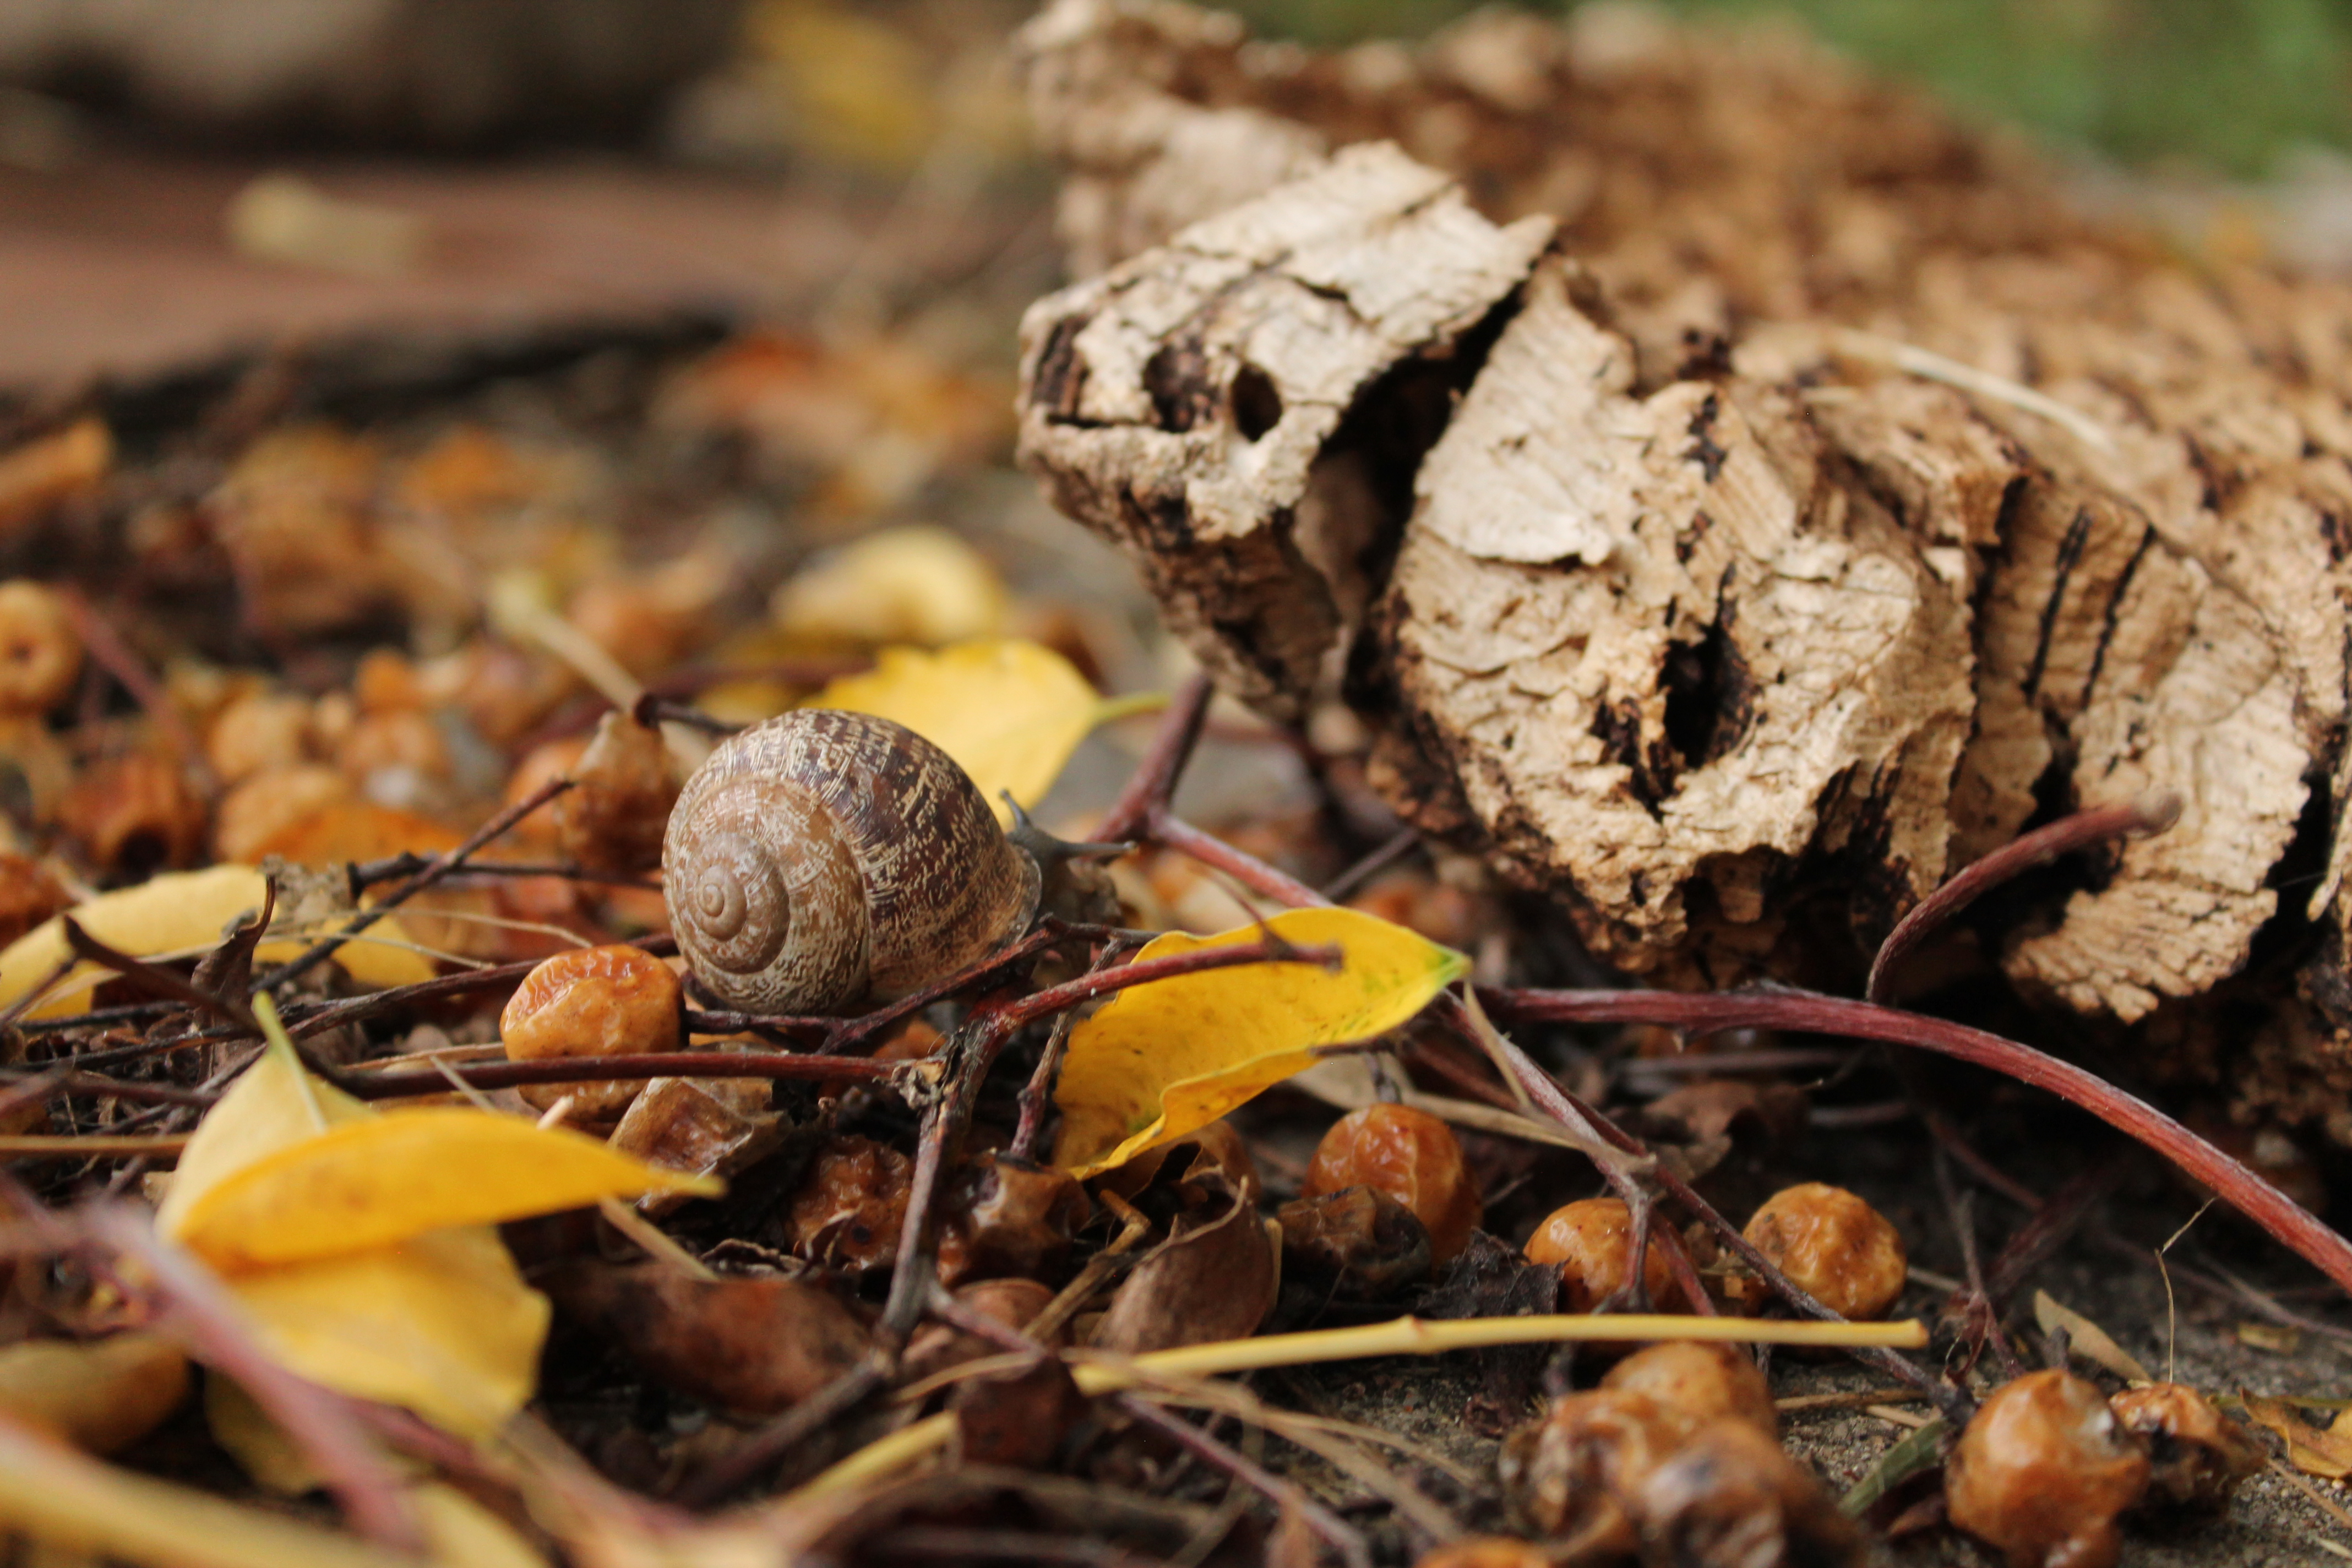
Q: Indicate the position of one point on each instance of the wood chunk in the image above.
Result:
(1737, 493)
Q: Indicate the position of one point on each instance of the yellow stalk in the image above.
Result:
(1401, 1336)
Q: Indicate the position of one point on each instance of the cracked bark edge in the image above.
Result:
(1193, 405)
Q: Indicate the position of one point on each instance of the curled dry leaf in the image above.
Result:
(98, 1395)
(1008, 1216)
(1215, 1276)
(755, 1344)
(1010, 712)
(698, 1127)
(1162, 1059)
(181, 912)
(2320, 1451)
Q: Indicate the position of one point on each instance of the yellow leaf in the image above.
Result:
(1163, 1059)
(1010, 712)
(378, 1180)
(919, 584)
(441, 1323)
(178, 913)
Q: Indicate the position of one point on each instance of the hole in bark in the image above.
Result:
(1707, 694)
(1257, 406)
(1177, 380)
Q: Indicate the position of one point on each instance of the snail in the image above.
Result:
(825, 861)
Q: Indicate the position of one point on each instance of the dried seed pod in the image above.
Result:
(1019, 1419)
(1590, 1242)
(1833, 1244)
(1411, 1156)
(1215, 1276)
(826, 860)
(2042, 1472)
(271, 803)
(257, 732)
(1572, 1474)
(592, 1002)
(850, 1206)
(133, 813)
(1705, 1382)
(703, 1126)
(2197, 1457)
(1357, 1244)
(757, 1345)
(40, 652)
(1729, 1497)
(1486, 1551)
(28, 895)
(541, 767)
(1008, 1216)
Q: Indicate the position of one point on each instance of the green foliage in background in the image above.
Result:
(2227, 84)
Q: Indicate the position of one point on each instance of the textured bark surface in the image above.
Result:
(1826, 502)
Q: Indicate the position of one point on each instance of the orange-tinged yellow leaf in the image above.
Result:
(1163, 1059)
(1010, 712)
(378, 1180)
(2321, 1451)
(180, 913)
(274, 1105)
(441, 1323)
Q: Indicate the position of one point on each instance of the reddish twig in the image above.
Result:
(398, 1083)
(1153, 784)
(1240, 865)
(1805, 1011)
(2039, 847)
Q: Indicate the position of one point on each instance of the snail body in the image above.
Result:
(825, 861)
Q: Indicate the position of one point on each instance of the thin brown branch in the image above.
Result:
(401, 1082)
(2081, 831)
(1153, 783)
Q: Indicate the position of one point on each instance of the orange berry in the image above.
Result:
(1832, 1243)
(1411, 1156)
(2043, 1471)
(592, 1002)
(1590, 1242)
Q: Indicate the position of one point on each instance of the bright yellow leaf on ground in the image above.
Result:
(1010, 712)
(382, 1179)
(180, 911)
(1163, 1059)
(441, 1323)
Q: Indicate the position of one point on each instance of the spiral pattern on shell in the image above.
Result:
(825, 861)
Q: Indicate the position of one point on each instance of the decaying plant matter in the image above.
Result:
(1736, 495)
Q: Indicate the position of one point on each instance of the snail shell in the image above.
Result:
(825, 861)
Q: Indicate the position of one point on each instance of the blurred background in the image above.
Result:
(181, 176)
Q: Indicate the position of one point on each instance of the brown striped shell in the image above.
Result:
(825, 861)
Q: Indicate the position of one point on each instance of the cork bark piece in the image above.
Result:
(1827, 502)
